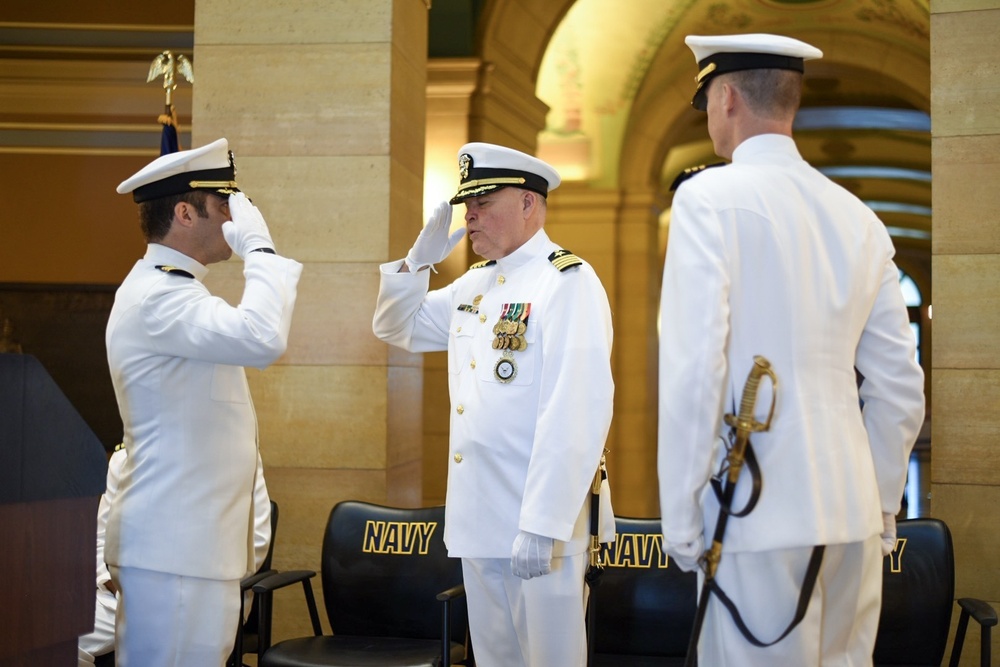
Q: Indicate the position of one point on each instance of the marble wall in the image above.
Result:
(965, 490)
(323, 105)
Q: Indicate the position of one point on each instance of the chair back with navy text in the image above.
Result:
(644, 605)
(391, 593)
(918, 594)
(382, 568)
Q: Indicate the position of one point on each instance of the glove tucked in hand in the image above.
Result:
(686, 555)
(531, 555)
(247, 230)
(888, 533)
(433, 244)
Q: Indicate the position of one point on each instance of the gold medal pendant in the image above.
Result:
(505, 369)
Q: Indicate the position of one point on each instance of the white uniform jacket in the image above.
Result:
(523, 453)
(115, 465)
(766, 256)
(176, 355)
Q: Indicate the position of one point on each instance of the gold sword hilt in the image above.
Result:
(745, 423)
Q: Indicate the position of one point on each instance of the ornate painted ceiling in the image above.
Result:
(618, 79)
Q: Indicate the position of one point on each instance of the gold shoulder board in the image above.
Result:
(564, 259)
(692, 171)
(174, 270)
(479, 265)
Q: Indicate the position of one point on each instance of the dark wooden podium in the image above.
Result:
(52, 473)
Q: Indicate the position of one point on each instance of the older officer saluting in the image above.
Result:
(528, 334)
(180, 532)
(766, 256)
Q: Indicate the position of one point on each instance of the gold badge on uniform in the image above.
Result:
(505, 368)
(508, 335)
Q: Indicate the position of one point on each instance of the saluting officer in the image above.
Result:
(180, 532)
(766, 256)
(528, 334)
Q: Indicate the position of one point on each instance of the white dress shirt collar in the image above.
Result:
(765, 147)
(162, 255)
(527, 252)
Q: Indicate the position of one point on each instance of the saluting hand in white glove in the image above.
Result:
(247, 230)
(687, 555)
(531, 555)
(433, 244)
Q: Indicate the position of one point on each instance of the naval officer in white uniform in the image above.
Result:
(180, 533)
(766, 256)
(101, 640)
(528, 335)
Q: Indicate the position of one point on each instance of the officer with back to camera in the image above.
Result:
(766, 256)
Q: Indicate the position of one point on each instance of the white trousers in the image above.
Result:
(839, 627)
(166, 620)
(102, 639)
(537, 622)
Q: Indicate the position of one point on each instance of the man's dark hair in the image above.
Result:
(156, 215)
(771, 93)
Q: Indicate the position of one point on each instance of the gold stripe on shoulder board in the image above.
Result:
(564, 259)
(485, 262)
(166, 268)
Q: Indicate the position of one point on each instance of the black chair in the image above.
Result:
(392, 595)
(918, 591)
(247, 637)
(643, 606)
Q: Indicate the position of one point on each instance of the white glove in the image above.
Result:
(686, 555)
(247, 230)
(531, 555)
(433, 244)
(888, 533)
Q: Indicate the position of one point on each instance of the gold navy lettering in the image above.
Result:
(398, 537)
(636, 550)
(896, 557)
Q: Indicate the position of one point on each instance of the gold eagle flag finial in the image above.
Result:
(168, 66)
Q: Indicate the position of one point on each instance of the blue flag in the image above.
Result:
(168, 137)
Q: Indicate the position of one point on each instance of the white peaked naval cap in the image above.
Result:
(718, 54)
(210, 168)
(485, 167)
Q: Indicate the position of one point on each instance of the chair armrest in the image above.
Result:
(282, 579)
(981, 611)
(247, 582)
(986, 616)
(451, 593)
(265, 589)
(446, 597)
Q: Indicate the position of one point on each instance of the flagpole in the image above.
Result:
(168, 66)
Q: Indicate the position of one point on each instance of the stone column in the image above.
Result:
(323, 104)
(965, 85)
(640, 266)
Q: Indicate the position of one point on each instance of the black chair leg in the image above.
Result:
(985, 657)
(956, 650)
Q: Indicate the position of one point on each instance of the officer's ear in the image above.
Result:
(184, 213)
(528, 201)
